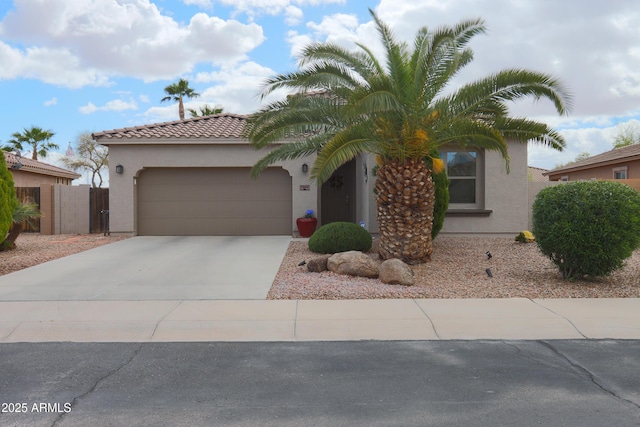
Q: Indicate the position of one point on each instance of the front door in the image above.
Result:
(338, 198)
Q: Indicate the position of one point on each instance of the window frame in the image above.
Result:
(620, 169)
(479, 176)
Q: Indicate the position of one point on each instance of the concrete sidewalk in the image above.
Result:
(313, 320)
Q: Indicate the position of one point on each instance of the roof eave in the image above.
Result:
(593, 165)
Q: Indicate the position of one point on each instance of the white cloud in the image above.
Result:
(293, 15)
(115, 105)
(50, 102)
(254, 8)
(236, 88)
(88, 109)
(205, 4)
(594, 136)
(341, 29)
(76, 43)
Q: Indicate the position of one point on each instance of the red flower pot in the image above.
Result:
(306, 226)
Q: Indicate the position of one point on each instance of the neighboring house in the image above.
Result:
(32, 173)
(619, 163)
(191, 177)
(537, 174)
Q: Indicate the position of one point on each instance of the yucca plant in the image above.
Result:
(25, 213)
(345, 103)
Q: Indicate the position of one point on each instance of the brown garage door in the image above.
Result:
(213, 201)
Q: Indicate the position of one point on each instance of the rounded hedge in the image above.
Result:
(340, 237)
(587, 228)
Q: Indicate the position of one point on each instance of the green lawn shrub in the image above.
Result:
(340, 237)
(8, 199)
(587, 228)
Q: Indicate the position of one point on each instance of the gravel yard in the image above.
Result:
(457, 270)
(33, 249)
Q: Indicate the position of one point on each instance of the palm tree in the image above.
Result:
(35, 137)
(176, 91)
(205, 110)
(345, 103)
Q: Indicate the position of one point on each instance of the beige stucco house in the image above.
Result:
(620, 164)
(191, 177)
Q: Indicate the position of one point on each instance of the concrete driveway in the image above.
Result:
(155, 268)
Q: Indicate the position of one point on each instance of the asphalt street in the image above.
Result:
(366, 383)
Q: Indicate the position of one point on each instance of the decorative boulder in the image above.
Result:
(395, 272)
(353, 263)
(318, 264)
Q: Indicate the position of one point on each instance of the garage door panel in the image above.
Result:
(274, 209)
(235, 191)
(213, 201)
(232, 226)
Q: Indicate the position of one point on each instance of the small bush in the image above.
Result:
(587, 228)
(340, 237)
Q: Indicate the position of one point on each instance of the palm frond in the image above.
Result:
(525, 130)
(287, 151)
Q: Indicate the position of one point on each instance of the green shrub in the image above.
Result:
(587, 228)
(441, 186)
(8, 199)
(340, 237)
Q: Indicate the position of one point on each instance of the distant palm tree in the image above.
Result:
(346, 103)
(176, 91)
(205, 110)
(35, 137)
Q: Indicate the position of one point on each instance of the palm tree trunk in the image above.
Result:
(10, 242)
(181, 108)
(405, 195)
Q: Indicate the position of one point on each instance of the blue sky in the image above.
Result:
(76, 66)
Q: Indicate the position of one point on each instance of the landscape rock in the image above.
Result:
(318, 264)
(395, 272)
(353, 263)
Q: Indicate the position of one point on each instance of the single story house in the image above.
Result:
(537, 174)
(32, 173)
(191, 177)
(619, 163)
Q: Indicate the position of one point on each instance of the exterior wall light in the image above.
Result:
(305, 168)
(119, 169)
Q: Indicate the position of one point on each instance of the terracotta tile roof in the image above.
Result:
(215, 126)
(537, 174)
(34, 166)
(617, 155)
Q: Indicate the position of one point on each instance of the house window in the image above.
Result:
(620, 173)
(463, 170)
(564, 178)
